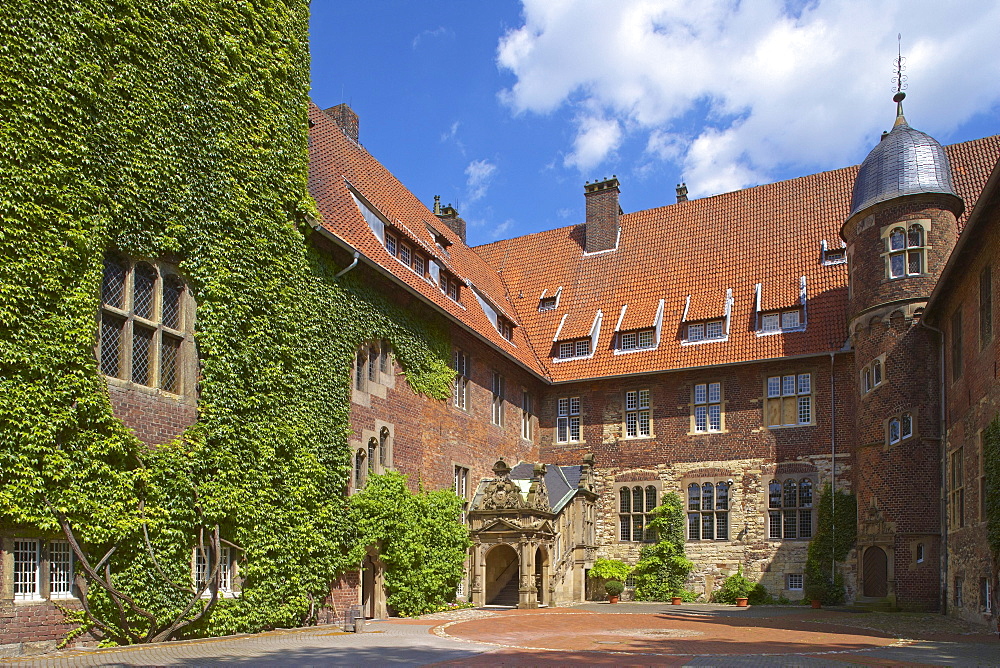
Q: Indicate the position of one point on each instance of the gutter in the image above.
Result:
(358, 255)
(943, 502)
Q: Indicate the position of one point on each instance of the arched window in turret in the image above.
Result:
(906, 250)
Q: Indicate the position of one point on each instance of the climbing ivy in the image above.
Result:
(663, 566)
(177, 130)
(835, 536)
(419, 538)
(991, 471)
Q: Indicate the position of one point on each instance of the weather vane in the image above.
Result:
(900, 79)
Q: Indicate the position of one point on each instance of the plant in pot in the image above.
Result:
(737, 590)
(614, 588)
(611, 569)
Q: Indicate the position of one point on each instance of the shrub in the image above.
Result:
(610, 569)
(836, 533)
(737, 586)
(663, 567)
(614, 587)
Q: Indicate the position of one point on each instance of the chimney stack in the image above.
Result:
(682, 192)
(449, 216)
(602, 214)
(345, 117)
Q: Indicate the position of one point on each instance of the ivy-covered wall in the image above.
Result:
(177, 130)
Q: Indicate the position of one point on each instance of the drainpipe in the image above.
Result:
(350, 266)
(944, 471)
(833, 470)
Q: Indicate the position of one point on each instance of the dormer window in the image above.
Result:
(906, 247)
(571, 349)
(547, 303)
(784, 321)
(405, 254)
(832, 255)
(705, 331)
(450, 286)
(636, 340)
(390, 244)
(505, 327)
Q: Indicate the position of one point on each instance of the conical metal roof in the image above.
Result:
(906, 162)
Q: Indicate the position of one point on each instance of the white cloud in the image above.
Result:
(479, 174)
(452, 131)
(501, 229)
(440, 31)
(595, 139)
(733, 91)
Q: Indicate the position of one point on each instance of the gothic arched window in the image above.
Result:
(790, 508)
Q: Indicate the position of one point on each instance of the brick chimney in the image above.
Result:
(345, 117)
(682, 192)
(449, 216)
(602, 214)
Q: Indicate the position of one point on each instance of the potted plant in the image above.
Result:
(741, 601)
(614, 588)
(676, 598)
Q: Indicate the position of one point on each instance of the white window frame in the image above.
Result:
(568, 420)
(638, 422)
(460, 364)
(794, 581)
(61, 569)
(797, 387)
(499, 389)
(527, 432)
(906, 251)
(27, 588)
(707, 413)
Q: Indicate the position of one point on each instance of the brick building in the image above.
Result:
(742, 350)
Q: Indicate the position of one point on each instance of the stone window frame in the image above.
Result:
(359, 469)
(695, 404)
(908, 250)
(956, 488)
(569, 413)
(638, 411)
(873, 375)
(804, 513)
(43, 569)
(986, 595)
(461, 365)
(128, 321)
(900, 427)
(716, 513)
(630, 515)
(497, 405)
(463, 485)
(985, 306)
(372, 372)
(527, 416)
(779, 394)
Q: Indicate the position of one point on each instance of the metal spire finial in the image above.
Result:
(900, 79)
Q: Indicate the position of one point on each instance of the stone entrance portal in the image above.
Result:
(502, 575)
(875, 573)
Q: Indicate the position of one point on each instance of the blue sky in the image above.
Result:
(506, 108)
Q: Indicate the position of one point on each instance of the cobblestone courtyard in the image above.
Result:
(591, 634)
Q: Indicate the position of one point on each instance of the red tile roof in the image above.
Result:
(336, 161)
(768, 234)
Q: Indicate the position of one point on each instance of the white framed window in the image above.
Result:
(27, 569)
(706, 331)
(708, 510)
(547, 303)
(203, 568)
(390, 244)
(636, 340)
(527, 432)
(568, 420)
(635, 505)
(637, 423)
(499, 389)
(906, 251)
(707, 407)
(405, 254)
(794, 582)
(899, 428)
(505, 327)
(60, 569)
(788, 401)
(713, 330)
(696, 332)
(873, 374)
(790, 509)
(783, 321)
(419, 264)
(771, 323)
(460, 363)
(790, 320)
(570, 349)
(461, 486)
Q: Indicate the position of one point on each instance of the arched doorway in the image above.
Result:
(502, 575)
(875, 570)
(542, 575)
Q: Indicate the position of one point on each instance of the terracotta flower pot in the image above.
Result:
(816, 603)
(612, 599)
(676, 600)
(741, 602)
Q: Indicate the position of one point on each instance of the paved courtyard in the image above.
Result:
(591, 634)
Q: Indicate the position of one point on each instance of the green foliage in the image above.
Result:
(419, 538)
(663, 567)
(991, 469)
(177, 130)
(836, 533)
(610, 569)
(614, 587)
(738, 586)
